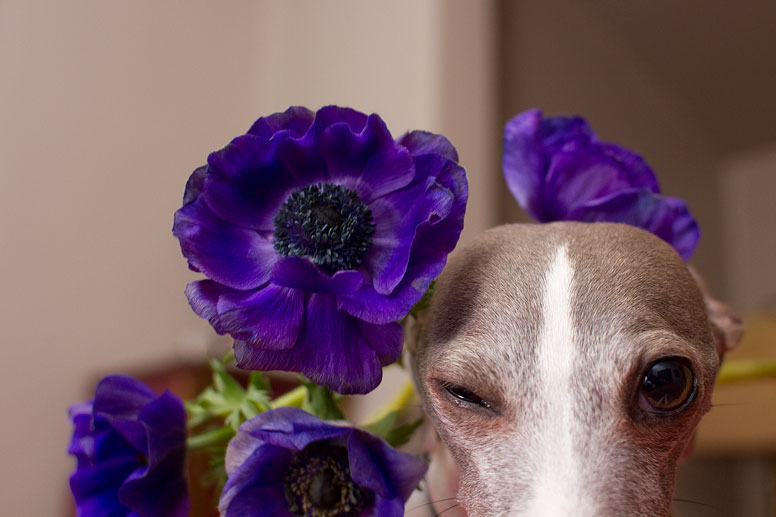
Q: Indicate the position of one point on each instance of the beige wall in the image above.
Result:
(106, 107)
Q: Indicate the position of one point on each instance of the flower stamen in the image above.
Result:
(318, 484)
(327, 224)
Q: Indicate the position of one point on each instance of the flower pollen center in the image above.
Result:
(327, 224)
(318, 484)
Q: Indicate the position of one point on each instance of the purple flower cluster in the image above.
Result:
(317, 232)
(130, 447)
(558, 170)
(286, 463)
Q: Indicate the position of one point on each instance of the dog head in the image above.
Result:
(565, 367)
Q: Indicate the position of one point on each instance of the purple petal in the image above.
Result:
(367, 304)
(370, 162)
(597, 171)
(160, 488)
(387, 472)
(195, 184)
(269, 318)
(256, 486)
(286, 427)
(95, 489)
(82, 442)
(247, 183)
(666, 217)
(524, 162)
(300, 273)
(296, 120)
(120, 397)
(203, 297)
(432, 242)
(236, 257)
(423, 142)
(334, 349)
(397, 217)
(561, 133)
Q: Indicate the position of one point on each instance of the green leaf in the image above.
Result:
(424, 302)
(224, 382)
(387, 429)
(321, 402)
(258, 381)
(400, 435)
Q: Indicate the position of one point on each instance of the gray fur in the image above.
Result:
(633, 301)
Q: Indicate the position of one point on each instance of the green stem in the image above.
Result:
(401, 400)
(228, 357)
(735, 371)
(294, 398)
(218, 436)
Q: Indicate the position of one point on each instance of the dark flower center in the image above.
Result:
(318, 484)
(327, 224)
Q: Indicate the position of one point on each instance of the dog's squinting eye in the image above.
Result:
(465, 395)
(668, 386)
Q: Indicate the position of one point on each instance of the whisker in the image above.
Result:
(448, 508)
(421, 505)
(696, 502)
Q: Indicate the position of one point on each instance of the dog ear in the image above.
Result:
(727, 326)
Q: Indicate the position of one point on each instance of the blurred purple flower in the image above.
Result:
(558, 170)
(287, 462)
(130, 447)
(318, 231)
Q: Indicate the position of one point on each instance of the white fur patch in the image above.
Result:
(558, 486)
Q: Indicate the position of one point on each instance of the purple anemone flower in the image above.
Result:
(317, 232)
(130, 447)
(558, 170)
(287, 462)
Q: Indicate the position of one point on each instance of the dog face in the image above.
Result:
(565, 367)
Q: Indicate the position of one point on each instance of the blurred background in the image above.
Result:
(106, 108)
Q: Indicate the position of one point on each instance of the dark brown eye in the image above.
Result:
(668, 386)
(467, 396)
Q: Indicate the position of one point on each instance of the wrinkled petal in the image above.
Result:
(668, 218)
(334, 349)
(387, 472)
(563, 134)
(397, 217)
(82, 442)
(362, 161)
(423, 142)
(300, 273)
(194, 185)
(236, 257)
(524, 162)
(296, 120)
(160, 489)
(247, 183)
(599, 170)
(95, 489)
(432, 242)
(285, 427)
(270, 318)
(203, 297)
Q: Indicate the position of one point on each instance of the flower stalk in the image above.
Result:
(746, 370)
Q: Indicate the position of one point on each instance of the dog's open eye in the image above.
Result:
(668, 386)
(465, 395)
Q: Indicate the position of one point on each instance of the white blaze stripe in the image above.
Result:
(558, 487)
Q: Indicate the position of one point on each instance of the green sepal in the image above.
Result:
(395, 435)
(227, 400)
(321, 402)
(424, 302)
